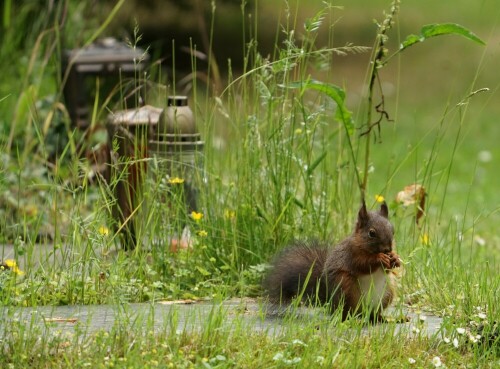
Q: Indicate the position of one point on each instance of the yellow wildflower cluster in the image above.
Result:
(11, 264)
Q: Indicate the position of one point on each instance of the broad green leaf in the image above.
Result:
(410, 40)
(343, 115)
(432, 30)
(438, 29)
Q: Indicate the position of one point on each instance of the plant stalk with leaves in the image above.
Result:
(380, 58)
(379, 52)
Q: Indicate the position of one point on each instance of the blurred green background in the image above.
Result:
(427, 80)
(419, 86)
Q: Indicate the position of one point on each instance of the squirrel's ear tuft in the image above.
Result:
(362, 216)
(384, 210)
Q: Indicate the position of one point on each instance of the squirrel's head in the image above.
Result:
(375, 230)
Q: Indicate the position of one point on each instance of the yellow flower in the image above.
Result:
(103, 230)
(12, 265)
(202, 233)
(229, 214)
(196, 216)
(31, 210)
(424, 238)
(176, 180)
(379, 198)
(298, 131)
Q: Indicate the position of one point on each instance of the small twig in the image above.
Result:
(383, 114)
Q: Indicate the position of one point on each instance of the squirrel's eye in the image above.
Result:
(372, 233)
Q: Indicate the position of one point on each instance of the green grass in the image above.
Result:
(285, 170)
(136, 341)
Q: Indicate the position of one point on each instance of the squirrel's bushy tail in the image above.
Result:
(300, 262)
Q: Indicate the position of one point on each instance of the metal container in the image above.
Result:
(128, 131)
(113, 62)
(158, 169)
(177, 149)
(177, 167)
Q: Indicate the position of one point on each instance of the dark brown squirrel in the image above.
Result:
(356, 274)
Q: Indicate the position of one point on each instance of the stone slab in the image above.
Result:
(181, 316)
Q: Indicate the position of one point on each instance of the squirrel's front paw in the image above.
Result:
(395, 260)
(385, 260)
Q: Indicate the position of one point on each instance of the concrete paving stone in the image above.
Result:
(179, 316)
(176, 316)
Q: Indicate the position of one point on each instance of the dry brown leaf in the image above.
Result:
(60, 320)
(412, 194)
(177, 302)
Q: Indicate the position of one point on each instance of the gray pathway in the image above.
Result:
(178, 317)
(168, 315)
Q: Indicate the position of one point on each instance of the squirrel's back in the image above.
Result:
(302, 261)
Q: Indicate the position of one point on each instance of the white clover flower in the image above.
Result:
(437, 361)
(298, 343)
(295, 360)
(455, 343)
(278, 356)
(460, 330)
(218, 358)
(446, 340)
(472, 338)
(415, 330)
(412, 360)
(482, 316)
